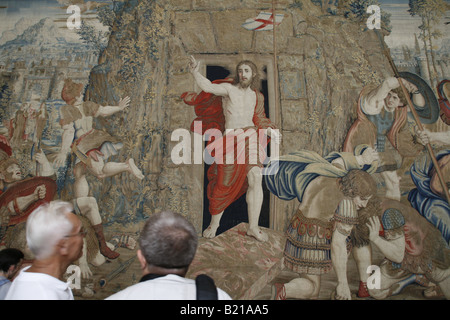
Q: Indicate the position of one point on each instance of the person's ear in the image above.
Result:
(141, 259)
(12, 268)
(63, 247)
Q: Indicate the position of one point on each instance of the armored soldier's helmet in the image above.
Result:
(392, 219)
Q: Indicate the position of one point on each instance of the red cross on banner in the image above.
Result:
(264, 21)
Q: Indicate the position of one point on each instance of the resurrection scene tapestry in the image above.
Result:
(307, 141)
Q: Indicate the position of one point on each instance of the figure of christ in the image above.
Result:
(241, 104)
(382, 123)
(92, 148)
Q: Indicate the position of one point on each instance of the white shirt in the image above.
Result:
(38, 286)
(170, 287)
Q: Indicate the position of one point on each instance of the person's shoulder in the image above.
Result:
(5, 284)
(346, 212)
(228, 85)
(124, 294)
(117, 296)
(176, 278)
(347, 206)
(69, 113)
(222, 295)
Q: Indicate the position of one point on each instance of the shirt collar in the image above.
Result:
(151, 276)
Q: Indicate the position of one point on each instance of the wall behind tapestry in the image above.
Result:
(325, 56)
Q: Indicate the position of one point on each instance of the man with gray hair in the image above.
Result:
(55, 237)
(168, 243)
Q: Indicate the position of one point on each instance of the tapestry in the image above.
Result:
(283, 131)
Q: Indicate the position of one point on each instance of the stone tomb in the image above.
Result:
(240, 265)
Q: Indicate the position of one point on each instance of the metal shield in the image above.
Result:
(430, 112)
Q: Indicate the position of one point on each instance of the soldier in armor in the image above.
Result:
(20, 194)
(92, 148)
(414, 250)
(382, 124)
(331, 191)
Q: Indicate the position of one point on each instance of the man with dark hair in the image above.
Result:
(10, 262)
(168, 243)
(382, 123)
(237, 109)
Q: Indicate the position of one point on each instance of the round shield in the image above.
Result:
(25, 188)
(429, 113)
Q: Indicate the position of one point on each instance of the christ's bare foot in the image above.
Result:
(135, 170)
(258, 234)
(210, 232)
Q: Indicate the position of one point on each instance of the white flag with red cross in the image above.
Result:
(263, 22)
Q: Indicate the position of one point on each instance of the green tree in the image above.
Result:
(431, 13)
(5, 99)
(416, 45)
(92, 37)
(357, 10)
(106, 14)
(406, 53)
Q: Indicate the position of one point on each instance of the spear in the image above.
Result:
(274, 3)
(123, 266)
(415, 115)
(275, 62)
(41, 120)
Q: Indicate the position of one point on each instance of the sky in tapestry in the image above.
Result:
(11, 11)
(33, 10)
(405, 26)
(25, 13)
